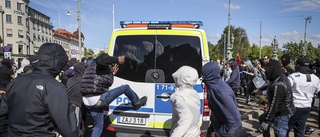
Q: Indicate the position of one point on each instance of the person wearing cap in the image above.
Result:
(287, 69)
(304, 85)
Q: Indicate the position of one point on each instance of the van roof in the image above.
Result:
(161, 24)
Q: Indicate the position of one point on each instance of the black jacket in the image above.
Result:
(98, 77)
(74, 84)
(279, 93)
(36, 104)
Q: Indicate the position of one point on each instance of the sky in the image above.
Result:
(283, 19)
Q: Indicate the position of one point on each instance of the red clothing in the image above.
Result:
(238, 60)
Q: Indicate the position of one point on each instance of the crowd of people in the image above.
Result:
(52, 94)
(285, 88)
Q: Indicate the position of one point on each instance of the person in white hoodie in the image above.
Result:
(185, 103)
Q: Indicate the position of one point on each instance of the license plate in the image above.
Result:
(131, 120)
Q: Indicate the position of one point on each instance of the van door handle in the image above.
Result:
(164, 95)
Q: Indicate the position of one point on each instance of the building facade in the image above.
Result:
(24, 30)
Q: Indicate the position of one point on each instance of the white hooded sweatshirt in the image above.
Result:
(185, 104)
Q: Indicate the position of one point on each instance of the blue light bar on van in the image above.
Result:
(159, 24)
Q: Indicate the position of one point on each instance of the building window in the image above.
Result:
(8, 4)
(20, 50)
(18, 6)
(38, 26)
(27, 22)
(39, 39)
(49, 39)
(20, 20)
(34, 25)
(20, 34)
(26, 9)
(8, 18)
(9, 32)
(34, 36)
(46, 39)
(46, 30)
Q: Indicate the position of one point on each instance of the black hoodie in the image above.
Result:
(74, 84)
(279, 94)
(36, 104)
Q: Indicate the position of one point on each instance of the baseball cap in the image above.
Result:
(303, 61)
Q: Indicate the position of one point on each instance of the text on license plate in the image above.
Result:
(131, 120)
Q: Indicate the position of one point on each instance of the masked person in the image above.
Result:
(304, 85)
(36, 104)
(185, 104)
(280, 101)
(225, 117)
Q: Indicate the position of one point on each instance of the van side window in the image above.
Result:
(164, 52)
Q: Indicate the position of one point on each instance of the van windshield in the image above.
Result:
(161, 53)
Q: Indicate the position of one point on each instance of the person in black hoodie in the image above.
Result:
(286, 68)
(74, 90)
(234, 80)
(37, 104)
(6, 74)
(280, 101)
(225, 117)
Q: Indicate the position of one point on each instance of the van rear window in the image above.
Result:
(165, 54)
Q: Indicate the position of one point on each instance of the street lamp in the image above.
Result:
(79, 29)
(304, 49)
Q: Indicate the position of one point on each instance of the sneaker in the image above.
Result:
(142, 102)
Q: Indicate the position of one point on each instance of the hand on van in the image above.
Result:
(115, 69)
(121, 59)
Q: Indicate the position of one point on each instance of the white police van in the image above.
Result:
(154, 50)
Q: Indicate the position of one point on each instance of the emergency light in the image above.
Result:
(161, 24)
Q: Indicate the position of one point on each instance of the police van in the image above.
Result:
(153, 51)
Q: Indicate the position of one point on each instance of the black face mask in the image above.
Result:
(273, 70)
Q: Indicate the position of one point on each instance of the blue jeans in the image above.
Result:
(298, 121)
(106, 98)
(280, 125)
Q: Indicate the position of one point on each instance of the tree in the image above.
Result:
(88, 52)
(241, 42)
(293, 49)
(266, 50)
(101, 52)
(215, 52)
(254, 51)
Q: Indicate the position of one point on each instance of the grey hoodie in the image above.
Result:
(185, 104)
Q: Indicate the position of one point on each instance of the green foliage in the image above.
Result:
(254, 51)
(215, 51)
(295, 50)
(101, 52)
(240, 45)
(88, 52)
(266, 50)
